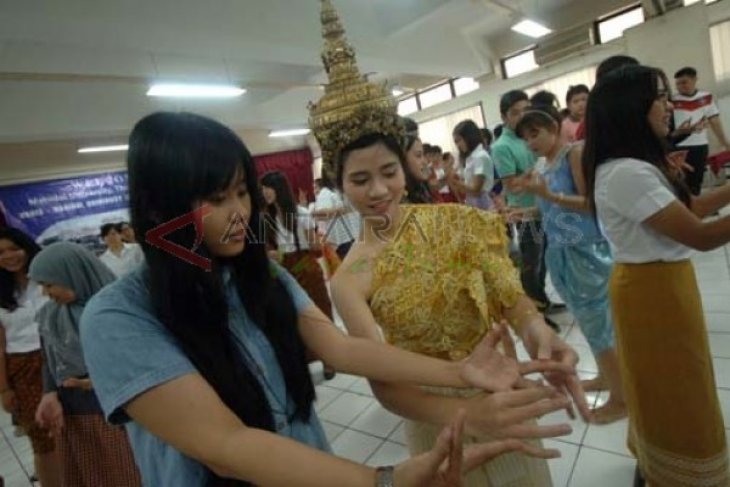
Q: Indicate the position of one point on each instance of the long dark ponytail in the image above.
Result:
(175, 160)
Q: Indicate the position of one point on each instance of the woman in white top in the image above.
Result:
(653, 223)
(21, 378)
(479, 169)
(292, 234)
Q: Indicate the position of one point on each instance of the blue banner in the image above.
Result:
(67, 209)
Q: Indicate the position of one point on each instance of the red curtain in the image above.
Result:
(296, 166)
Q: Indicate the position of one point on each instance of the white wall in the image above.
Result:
(677, 39)
(32, 161)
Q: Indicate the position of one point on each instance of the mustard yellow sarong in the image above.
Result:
(437, 288)
(676, 427)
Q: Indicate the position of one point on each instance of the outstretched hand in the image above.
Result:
(544, 345)
(448, 461)
(492, 370)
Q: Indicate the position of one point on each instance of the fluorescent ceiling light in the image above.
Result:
(288, 133)
(179, 90)
(531, 28)
(103, 148)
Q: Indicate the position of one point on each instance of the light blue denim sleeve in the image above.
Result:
(127, 351)
(299, 295)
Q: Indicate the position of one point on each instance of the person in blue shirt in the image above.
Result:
(578, 256)
(201, 353)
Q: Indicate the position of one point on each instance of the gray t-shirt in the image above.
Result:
(128, 351)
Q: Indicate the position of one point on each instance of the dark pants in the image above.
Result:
(343, 249)
(532, 266)
(697, 158)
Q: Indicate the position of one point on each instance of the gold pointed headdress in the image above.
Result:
(351, 107)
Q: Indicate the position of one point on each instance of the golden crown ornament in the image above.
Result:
(351, 107)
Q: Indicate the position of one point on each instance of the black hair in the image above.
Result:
(174, 161)
(487, 137)
(411, 126)
(612, 63)
(108, 227)
(617, 125)
(326, 182)
(472, 135)
(8, 284)
(537, 117)
(436, 149)
(686, 71)
(574, 91)
(446, 156)
(543, 98)
(417, 191)
(498, 130)
(510, 98)
(411, 139)
(285, 201)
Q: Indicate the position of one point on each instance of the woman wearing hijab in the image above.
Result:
(93, 452)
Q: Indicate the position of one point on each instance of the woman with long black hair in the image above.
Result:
(21, 360)
(478, 167)
(416, 172)
(653, 223)
(292, 238)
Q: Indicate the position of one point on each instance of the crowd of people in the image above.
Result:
(137, 367)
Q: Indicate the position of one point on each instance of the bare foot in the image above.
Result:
(594, 385)
(608, 413)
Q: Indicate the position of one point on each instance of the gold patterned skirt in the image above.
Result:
(509, 470)
(676, 427)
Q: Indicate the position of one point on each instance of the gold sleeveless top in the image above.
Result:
(443, 280)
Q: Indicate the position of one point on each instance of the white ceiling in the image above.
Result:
(77, 70)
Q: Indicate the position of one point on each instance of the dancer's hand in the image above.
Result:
(489, 369)
(446, 464)
(543, 344)
(510, 414)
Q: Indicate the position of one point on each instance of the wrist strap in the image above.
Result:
(384, 476)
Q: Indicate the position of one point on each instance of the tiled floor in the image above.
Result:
(361, 430)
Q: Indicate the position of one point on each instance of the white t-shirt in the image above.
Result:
(440, 176)
(342, 228)
(628, 191)
(693, 108)
(126, 262)
(21, 329)
(479, 163)
(285, 239)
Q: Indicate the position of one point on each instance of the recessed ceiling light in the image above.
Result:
(531, 28)
(103, 148)
(181, 90)
(288, 133)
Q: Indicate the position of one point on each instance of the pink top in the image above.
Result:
(568, 130)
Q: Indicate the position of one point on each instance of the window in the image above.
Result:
(436, 95)
(408, 106)
(559, 86)
(613, 26)
(690, 2)
(519, 63)
(720, 43)
(462, 86)
(438, 130)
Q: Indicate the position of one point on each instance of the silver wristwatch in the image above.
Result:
(384, 476)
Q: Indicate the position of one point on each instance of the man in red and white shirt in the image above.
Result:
(694, 109)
